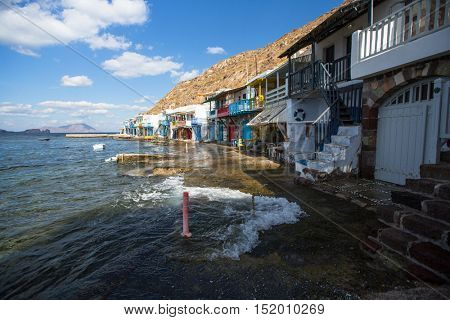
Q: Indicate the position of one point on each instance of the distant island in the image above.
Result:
(70, 128)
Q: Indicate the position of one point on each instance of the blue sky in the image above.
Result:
(149, 45)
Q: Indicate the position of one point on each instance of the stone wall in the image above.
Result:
(378, 89)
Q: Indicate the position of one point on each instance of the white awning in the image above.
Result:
(280, 118)
(270, 115)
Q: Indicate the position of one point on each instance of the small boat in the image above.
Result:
(98, 147)
(111, 159)
(43, 139)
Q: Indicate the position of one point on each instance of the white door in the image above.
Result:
(402, 133)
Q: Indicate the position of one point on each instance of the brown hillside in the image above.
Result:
(232, 72)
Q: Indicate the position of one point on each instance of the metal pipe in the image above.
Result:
(186, 232)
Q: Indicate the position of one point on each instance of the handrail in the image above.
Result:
(321, 128)
(327, 110)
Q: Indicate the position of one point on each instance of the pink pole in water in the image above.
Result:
(186, 232)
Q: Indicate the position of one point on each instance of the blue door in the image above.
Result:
(220, 137)
(212, 132)
(198, 132)
(246, 130)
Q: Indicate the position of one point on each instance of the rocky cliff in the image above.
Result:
(234, 71)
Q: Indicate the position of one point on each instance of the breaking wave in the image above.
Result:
(267, 212)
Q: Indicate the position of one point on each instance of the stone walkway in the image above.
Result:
(368, 194)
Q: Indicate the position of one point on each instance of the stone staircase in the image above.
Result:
(340, 154)
(417, 225)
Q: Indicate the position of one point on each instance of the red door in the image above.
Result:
(231, 129)
(189, 134)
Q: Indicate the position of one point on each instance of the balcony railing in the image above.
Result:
(276, 95)
(242, 106)
(339, 69)
(301, 81)
(222, 112)
(413, 21)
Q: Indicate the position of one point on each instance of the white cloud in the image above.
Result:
(25, 51)
(146, 99)
(23, 110)
(108, 41)
(183, 76)
(68, 21)
(215, 50)
(89, 106)
(150, 48)
(138, 46)
(75, 81)
(133, 65)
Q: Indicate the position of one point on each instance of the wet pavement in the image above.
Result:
(319, 257)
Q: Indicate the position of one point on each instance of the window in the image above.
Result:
(329, 54)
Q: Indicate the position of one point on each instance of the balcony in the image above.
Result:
(196, 122)
(415, 32)
(164, 123)
(223, 112)
(242, 106)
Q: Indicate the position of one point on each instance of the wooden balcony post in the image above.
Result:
(289, 73)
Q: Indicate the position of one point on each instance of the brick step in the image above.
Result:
(409, 198)
(437, 209)
(395, 239)
(442, 191)
(390, 215)
(432, 256)
(445, 156)
(422, 253)
(422, 185)
(435, 171)
(425, 227)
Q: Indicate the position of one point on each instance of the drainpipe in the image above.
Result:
(370, 12)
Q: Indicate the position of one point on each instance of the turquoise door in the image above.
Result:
(220, 137)
(246, 130)
(212, 132)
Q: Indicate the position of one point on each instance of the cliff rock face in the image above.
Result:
(234, 71)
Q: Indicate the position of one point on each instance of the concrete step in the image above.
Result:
(442, 191)
(424, 227)
(432, 256)
(395, 239)
(445, 156)
(321, 166)
(343, 140)
(334, 149)
(409, 199)
(422, 185)
(437, 209)
(435, 171)
(349, 131)
(325, 156)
